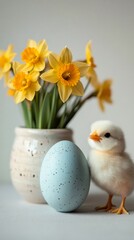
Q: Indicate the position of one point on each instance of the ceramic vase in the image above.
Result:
(28, 152)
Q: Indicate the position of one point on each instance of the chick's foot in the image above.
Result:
(121, 209)
(109, 206)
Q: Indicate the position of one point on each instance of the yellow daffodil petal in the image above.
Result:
(105, 90)
(89, 57)
(66, 56)
(10, 48)
(34, 76)
(53, 61)
(40, 65)
(37, 87)
(7, 77)
(56, 56)
(78, 90)
(101, 105)
(6, 67)
(42, 46)
(83, 68)
(50, 76)
(31, 93)
(18, 67)
(64, 91)
(10, 82)
(19, 97)
(15, 66)
(23, 67)
(104, 93)
(88, 52)
(10, 52)
(31, 43)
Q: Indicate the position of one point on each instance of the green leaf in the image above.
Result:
(27, 114)
(44, 111)
(63, 117)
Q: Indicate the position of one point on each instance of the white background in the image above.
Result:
(109, 24)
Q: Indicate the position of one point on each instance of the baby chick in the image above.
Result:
(111, 167)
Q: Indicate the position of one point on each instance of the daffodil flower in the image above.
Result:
(104, 93)
(66, 74)
(6, 58)
(103, 89)
(23, 85)
(34, 55)
(49, 86)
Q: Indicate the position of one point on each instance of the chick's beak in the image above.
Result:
(94, 136)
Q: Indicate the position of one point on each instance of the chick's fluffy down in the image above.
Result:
(113, 173)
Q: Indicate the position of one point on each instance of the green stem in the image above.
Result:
(25, 113)
(30, 115)
(93, 94)
(40, 122)
(53, 107)
(88, 82)
(36, 108)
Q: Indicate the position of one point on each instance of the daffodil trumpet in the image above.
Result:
(49, 86)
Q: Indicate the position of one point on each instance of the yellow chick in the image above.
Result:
(111, 167)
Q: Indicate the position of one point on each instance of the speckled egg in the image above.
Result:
(65, 177)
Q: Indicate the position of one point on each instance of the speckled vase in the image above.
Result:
(29, 149)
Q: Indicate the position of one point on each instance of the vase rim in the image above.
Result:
(42, 131)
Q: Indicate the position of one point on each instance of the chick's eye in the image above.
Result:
(107, 135)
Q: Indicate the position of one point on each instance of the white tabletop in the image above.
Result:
(20, 220)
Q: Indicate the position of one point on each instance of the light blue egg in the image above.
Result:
(65, 177)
